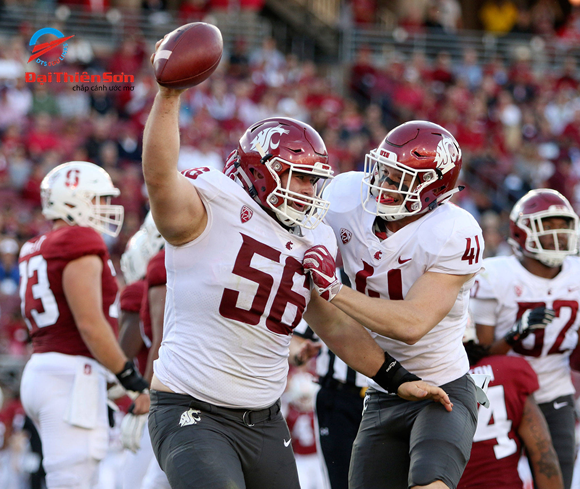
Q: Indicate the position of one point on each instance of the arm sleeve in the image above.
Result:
(462, 253)
(75, 242)
(156, 273)
(131, 296)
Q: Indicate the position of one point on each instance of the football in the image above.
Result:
(188, 55)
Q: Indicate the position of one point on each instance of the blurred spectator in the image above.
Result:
(239, 62)
(363, 11)
(193, 10)
(498, 16)
(546, 15)
(268, 64)
(15, 103)
(9, 275)
(44, 101)
(363, 76)
(469, 70)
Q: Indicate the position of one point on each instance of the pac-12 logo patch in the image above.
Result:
(246, 214)
(345, 235)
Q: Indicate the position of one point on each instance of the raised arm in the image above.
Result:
(534, 432)
(176, 206)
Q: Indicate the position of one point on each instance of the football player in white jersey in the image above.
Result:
(412, 258)
(527, 305)
(236, 289)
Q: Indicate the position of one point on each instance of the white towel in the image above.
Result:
(83, 406)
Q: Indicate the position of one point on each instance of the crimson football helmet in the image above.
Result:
(72, 192)
(277, 145)
(421, 160)
(527, 227)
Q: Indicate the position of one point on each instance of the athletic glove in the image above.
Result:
(392, 374)
(531, 319)
(131, 379)
(132, 430)
(320, 263)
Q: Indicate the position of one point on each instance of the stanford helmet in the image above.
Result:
(527, 227)
(72, 192)
(425, 161)
(277, 145)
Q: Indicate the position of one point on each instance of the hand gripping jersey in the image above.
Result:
(502, 294)
(43, 303)
(446, 240)
(234, 295)
(496, 444)
(155, 276)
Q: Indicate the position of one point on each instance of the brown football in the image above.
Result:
(188, 55)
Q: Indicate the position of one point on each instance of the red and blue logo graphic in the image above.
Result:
(41, 49)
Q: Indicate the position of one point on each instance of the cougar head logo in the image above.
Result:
(448, 153)
(264, 138)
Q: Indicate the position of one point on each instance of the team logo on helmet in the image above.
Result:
(345, 235)
(447, 154)
(264, 138)
(246, 214)
(72, 178)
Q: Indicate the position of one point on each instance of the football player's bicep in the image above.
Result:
(178, 211)
(434, 294)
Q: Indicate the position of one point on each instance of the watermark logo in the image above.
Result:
(41, 49)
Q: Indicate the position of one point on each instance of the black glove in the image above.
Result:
(131, 379)
(392, 374)
(531, 319)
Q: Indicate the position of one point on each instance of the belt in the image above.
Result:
(248, 416)
(337, 385)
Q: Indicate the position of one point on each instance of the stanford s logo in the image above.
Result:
(72, 178)
(345, 235)
(246, 214)
(264, 138)
(448, 153)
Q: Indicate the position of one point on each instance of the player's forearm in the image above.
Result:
(103, 345)
(161, 142)
(344, 336)
(534, 432)
(399, 320)
(130, 338)
(499, 347)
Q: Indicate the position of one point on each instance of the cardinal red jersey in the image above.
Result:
(301, 426)
(132, 296)
(496, 445)
(43, 303)
(156, 275)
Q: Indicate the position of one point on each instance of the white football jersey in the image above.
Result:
(513, 290)
(445, 240)
(234, 295)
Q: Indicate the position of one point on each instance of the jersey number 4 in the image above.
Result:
(284, 295)
(497, 429)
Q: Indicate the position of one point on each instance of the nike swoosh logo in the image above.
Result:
(560, 405)
(404, 261)
(286, 443)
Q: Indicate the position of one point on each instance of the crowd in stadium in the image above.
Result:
(518, 128)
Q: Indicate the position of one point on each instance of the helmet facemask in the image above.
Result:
(402, 201)
(533, 226)
(311, 209)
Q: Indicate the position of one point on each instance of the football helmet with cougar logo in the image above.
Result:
(527, 227)
(73, 191)
(142, 246)
(420, 161)
(277, 145)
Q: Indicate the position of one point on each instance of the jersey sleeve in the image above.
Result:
(131, 296)
(75, 242)
(462, 252)
(156, 273)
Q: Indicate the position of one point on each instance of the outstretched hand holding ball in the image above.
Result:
(187, 56)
